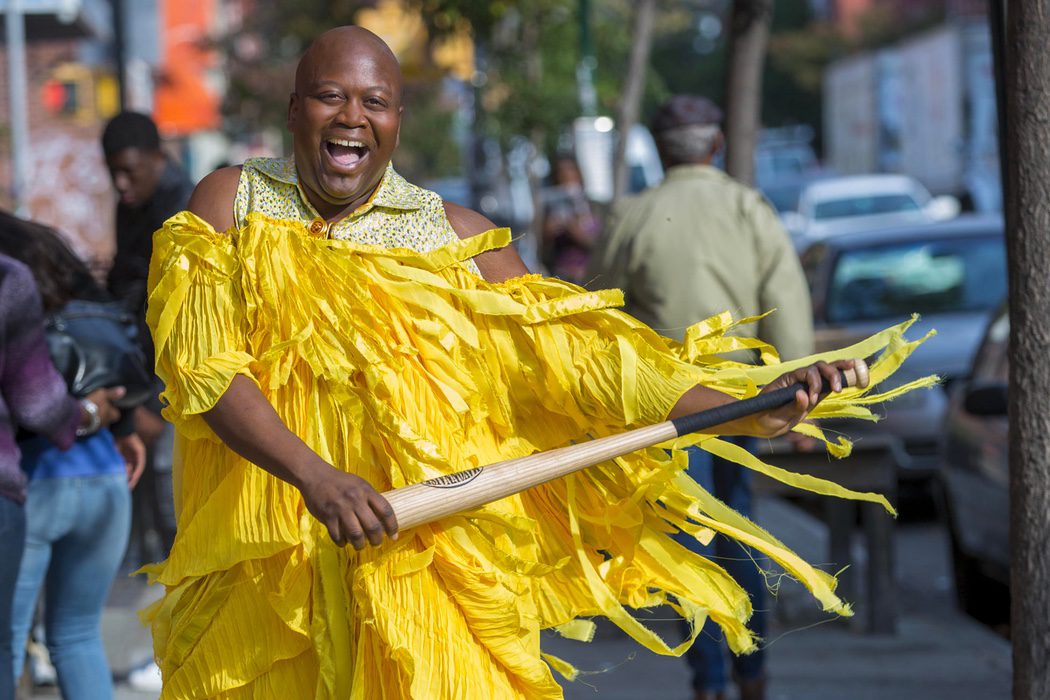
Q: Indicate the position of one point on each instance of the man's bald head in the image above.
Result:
(335, 44)
(345, 118)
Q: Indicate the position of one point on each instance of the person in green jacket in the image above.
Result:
(699, 244)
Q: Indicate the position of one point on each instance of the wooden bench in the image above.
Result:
(871, 467)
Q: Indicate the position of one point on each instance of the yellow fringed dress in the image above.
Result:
(400, 366)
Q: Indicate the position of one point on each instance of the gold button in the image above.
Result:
(319, 227)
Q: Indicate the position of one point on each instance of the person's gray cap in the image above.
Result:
(685, 110)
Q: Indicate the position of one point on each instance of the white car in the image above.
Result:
(861, 202)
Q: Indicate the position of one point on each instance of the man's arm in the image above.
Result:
(213, 197)
(348, 506)
(502, 264)
(775, 422)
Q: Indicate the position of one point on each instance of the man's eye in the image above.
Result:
(331, 97)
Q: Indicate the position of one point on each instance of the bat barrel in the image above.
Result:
(442, 496)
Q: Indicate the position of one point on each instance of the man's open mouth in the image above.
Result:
(346, 153)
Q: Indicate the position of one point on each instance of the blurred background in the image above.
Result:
(495, 91)
(876, 142)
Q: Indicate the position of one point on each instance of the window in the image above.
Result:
(924, 276)
(865, 206)
(992, 360)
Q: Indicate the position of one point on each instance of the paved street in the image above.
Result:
(936, 654)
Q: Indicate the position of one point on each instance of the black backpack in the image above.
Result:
(94, 345)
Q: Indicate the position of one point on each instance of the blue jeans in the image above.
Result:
(12, 541)
(731, 484)
(76, 533)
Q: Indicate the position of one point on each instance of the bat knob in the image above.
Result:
(858, 375)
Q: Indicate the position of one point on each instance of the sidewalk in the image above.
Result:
(927, 659)
(128, 641)
(937, 653)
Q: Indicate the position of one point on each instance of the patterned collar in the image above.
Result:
(394, 191)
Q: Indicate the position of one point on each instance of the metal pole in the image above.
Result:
(997, 28)
(119, 52)
(585, 68)
(16, 80)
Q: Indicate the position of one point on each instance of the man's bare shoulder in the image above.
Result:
(467, 222)
(213, 197)
(495, 265)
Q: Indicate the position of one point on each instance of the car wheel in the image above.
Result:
(976, 594)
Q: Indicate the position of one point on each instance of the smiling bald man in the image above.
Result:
(327, 330)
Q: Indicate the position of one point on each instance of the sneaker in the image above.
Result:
(41, 670)
(145, 677)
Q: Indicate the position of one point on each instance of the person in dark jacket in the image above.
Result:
(151, 187)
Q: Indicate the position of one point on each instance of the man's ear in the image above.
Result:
(400, 117)
(160, 160)
(293, 110)
(718, 142)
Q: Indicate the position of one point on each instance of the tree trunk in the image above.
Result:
(748, 38)
(530, 246)
(633, 89)
(1028, 249)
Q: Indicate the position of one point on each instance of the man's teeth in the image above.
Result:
(346, 143)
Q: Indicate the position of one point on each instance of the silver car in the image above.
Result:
(974, 480)
(831, 206)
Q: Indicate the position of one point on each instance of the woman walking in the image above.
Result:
(77, 503)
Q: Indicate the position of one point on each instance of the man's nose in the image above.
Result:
(352, 114)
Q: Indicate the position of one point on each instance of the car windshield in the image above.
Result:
(924, 276)
(864, 206)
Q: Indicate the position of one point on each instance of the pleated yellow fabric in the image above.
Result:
(400, 366)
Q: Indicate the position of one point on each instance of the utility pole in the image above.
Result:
(585, 67)
(997, 28)
(1027, 198)
(14, 27)
(119, 52)
(634, 87)
(748, 37)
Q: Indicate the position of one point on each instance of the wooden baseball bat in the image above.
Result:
(442, 496)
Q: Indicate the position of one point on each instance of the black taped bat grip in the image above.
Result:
(701, 420)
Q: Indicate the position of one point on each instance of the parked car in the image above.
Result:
(836, 205)
(951, 273)
(784, 192)
(974, 479)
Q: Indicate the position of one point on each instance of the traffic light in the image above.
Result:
(78, 91)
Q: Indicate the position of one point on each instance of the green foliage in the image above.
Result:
(791, 95)
(260, 57)
(529, 52)
(798, 52)
(427, 149)
(800, 49)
